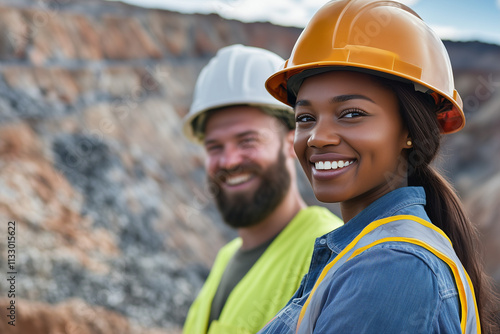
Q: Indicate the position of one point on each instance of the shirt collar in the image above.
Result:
(383, 207)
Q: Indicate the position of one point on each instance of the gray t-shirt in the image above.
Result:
(236, 269)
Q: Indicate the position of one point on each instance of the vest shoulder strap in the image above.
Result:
(402, 228)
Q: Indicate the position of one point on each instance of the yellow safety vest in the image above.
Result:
(269, 284)
(402, 228)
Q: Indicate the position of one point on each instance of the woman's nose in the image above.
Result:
(323, 134)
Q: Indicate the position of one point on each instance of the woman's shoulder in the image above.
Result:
(389, 287)
(405, 262)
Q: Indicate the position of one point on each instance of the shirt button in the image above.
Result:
(322, 241)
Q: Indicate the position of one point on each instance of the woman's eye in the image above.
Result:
(352, 113)
(304, 118)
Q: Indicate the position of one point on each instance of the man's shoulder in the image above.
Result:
(310, 223)
(317, 216)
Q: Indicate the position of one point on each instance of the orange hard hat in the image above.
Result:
(384, 38)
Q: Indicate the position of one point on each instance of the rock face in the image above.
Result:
(115, 230)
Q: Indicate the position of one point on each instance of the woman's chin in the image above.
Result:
(327, 197)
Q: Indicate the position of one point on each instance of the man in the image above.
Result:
(250, 162)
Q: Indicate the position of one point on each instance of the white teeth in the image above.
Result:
(326, 165)
(239, 179)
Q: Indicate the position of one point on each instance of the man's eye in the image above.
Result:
(248, 140)
(213, 148)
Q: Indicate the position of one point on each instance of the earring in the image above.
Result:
(408, 142)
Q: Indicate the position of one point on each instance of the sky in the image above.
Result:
(458, 20)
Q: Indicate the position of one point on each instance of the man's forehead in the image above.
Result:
(238, 131)
(234, 122)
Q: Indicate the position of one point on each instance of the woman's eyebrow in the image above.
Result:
(347, 97)
(336, 99)
(303, 103)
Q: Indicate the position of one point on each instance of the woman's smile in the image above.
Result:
(330, 165)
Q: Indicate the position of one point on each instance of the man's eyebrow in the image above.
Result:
(209, 142)
(239, 135)
(247, 133)
(336, 99)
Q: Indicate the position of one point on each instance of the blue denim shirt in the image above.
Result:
(393, 287)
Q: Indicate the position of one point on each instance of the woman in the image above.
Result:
(372, 89)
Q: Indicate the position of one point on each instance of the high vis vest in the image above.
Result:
(402, 228)
(268, 285)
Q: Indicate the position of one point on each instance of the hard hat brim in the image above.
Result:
(450, 121)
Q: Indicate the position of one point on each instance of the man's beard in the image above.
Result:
(247, 209)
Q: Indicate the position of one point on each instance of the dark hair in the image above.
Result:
(443, 207)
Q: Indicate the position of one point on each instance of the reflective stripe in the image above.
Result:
(402, 228)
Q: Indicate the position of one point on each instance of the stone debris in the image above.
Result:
(116, 230)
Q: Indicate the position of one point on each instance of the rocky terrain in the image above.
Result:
(115, 230)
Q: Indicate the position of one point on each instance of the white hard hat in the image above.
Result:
(235, 76)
